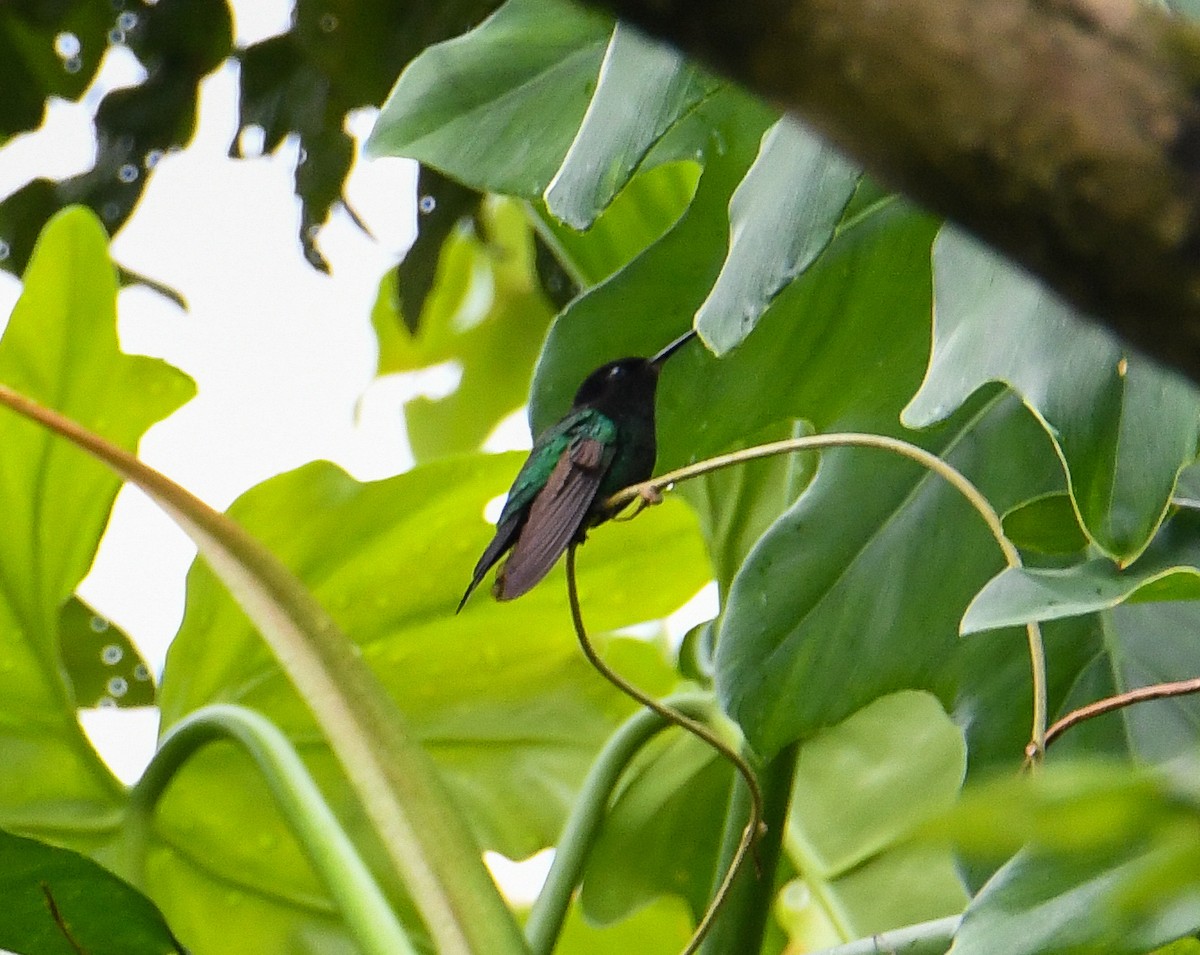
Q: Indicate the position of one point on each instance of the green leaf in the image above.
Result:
(870, 603)
(1168, 570)
(861, 789)
(1123, 427)
(643, 89)
(486, 303)
(663, 832)
(57, 902)
(1046, 524)
(60, 347)
(781, 217)
(421, 838)
(1108, 864)
(102, 664)
(1043, 905)
(180, 41)
(662, 927)
(736, 505)
(639, 215)
(442, 204)
(32, 66)
(1146, 644)
(304, 81)
(498, 107)
(499, 695)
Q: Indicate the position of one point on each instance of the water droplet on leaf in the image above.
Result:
(67, 46)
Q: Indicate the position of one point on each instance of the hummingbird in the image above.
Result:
(604, 443)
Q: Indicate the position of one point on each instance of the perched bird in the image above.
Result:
(605, 442)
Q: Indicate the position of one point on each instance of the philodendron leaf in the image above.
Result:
(57, 902)
(861, 789)
(643, 89)
(1123, 426)
(497, 108)
(421, 841)
(781, 217)
(61, 347)
(796, 366)
(499, 695)
(1168, 570)
(871, 601)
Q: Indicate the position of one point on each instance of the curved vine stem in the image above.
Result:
(649, 491)
(700, 731)
(1143, 694)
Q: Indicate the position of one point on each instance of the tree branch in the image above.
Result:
(1066, 133)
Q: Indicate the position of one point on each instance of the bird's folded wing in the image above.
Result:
(555, 516)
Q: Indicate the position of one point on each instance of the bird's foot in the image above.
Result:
(646, 497)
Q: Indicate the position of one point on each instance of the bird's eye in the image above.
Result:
(614, 372)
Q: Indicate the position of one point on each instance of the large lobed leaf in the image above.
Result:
(499, 694)
(61, 348)
(781, 217)
(642, 91)
(465, 106)
(1123, 426)
(870, 603)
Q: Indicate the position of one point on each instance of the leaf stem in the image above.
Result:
(1157, 691)
(744, 922)
(579, 834)
(362, 904)
(753, 825)
(649, 490)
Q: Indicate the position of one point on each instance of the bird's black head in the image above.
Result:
(624, 385)
(627, 384)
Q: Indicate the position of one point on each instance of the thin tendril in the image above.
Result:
(1143, 694)
(648, 491)
(754, 824)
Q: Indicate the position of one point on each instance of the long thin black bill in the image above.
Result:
(671, 349)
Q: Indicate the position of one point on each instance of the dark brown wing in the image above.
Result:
(555, 517)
